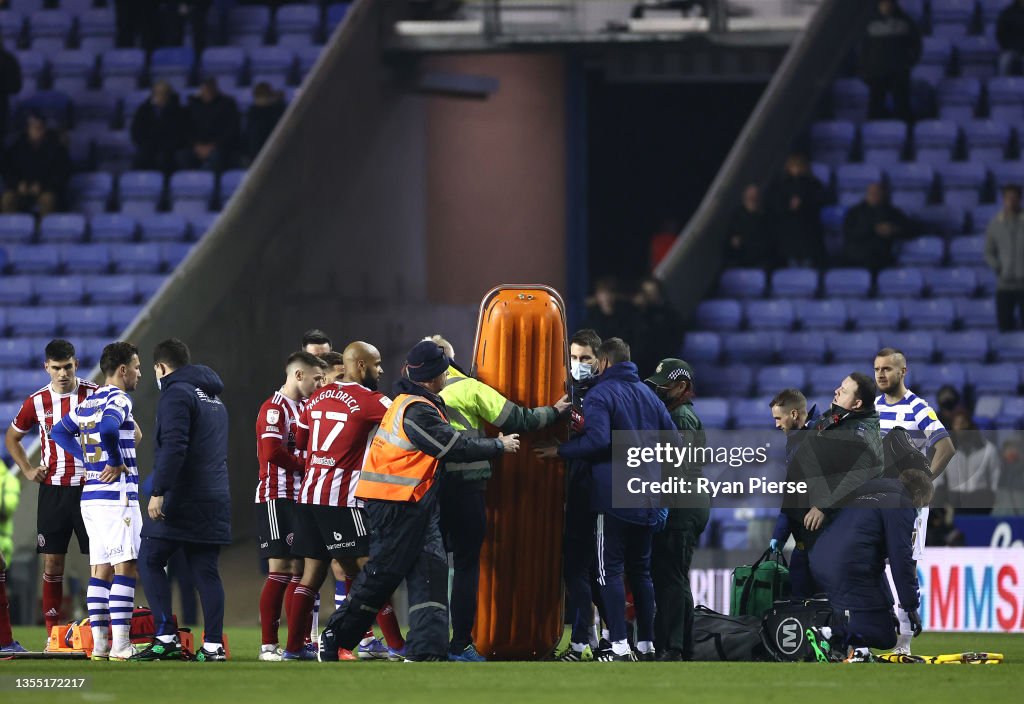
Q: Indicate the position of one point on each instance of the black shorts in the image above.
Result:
(325, 532)
(275, 526)
(58, 515)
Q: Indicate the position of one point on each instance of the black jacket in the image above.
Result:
(756, 235)
(190, 468)
(159, 131)
(892, 45)
(1010, 28)
(48, 163)
(10, 75)
(216, 122)
(799, 231)
(862, 246)
(260, 121)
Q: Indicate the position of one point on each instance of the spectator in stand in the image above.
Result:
(972, 476)
(176, 14)
(948, 402)
(941, 532)
(1010, 35)
(267, 108)
(1010, 494)
(10, 83)
(657, 328)
(137, 20)
(607, 313)
(158, 129)
(891, 47)
(751, 239)
(36, 170)
(870, 229)
(796, 203)
(213, 129)
(1004, 252)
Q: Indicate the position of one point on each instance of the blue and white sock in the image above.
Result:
(122, 603)
(97, 600)
(314, 632)
(340, 592)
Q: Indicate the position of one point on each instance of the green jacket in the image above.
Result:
(693, 513)
(472, 403)
(843, 451)
(10, 493)
(692, 430)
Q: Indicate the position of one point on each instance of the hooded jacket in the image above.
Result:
(1004, 250)
(190, 467)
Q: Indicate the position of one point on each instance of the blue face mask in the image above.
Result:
(580, 371)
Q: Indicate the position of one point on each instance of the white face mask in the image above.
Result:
(580, 371)
(159, 386)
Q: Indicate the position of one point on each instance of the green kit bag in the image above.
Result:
(756, 587)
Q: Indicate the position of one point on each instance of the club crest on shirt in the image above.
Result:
(120, 400)
(127, 520)
(273, 416)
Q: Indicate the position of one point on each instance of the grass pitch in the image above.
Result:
(244, 679)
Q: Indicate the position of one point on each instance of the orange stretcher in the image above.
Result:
(521, 350)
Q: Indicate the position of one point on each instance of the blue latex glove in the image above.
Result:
(773, 545)
(662, 520)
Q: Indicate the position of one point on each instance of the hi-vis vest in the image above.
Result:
(470, 404)
(394, 469)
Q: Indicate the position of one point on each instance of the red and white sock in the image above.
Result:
(53, 594)
(271, 600)
(6, 637)
(388, 623)
(296, 579)
(300, 616)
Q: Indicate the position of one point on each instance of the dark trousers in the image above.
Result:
(201, 559)
(879, 86)
(405, 543)
(463, 525)
(866, 629)
(1010, 310)
(670, 569)
(625, 548)
(578, 557)
(802, 584)
(179, 573)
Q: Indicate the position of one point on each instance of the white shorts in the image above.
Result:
(115, 533)
(920, 532)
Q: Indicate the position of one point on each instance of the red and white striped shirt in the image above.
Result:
(336, 428)
(44, 408)
(281, 464)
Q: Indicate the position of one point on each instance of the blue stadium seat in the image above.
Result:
(847, 283)
(922, 251)
(297, 25)
(72, 70)
(1012, 415)
(91, 192)
(940, 219)
(769, 315)
(897, 283)
(121, 317)
(96, 29)
(734, 380)
(112, 227)
(191, 191)
(271, 64)
(958, 98)
(701, 347)
(173, 253)
(883, 141)
(976, 56)
(53, 105)
(24, 383)
(853, 179)
(84, 320)
(750, 413)
(936, 51)
(140, 191)
(832, 217)
(49, 30)
(823, 172)
(772, 379)
(910, 184)
(853, 346)
(163, 227)
(226, 63)
(962, 346)
(794, 283)
(926, 379)
(1007, 346)
(1006, 99)
(919, 347)
(96, 108)
(986, 140)
(111, 289)
(967, 251)
(803, 347)
(122, 69)
(172, 64)
(200, 224)
(962, 183)
(976, 313)
(306, 57)
(148, 284)
(12, 23)
(1003, 173)
(230, 180)
(16, 228)
(138, 259)
(982, 215)
(27, 6)
(951, 281)
(33, 68)
(59, 290)
(37, 320)
(748, 347)
(82, 148)
(951, 18)
(1002, 379)
(85, 258)
(714, 412)
(16, 352)
(114, 151)
(990, 10)
(16, 290)
(849, 99)
(62, 227)
(131, 101)
(935, 140)
(33, 259)
(987, 281)
(831, 142)
(719, 315)
(875, 314)
(823, 379)
(821, 315)
(742, 283)
(336, 14)
(929, 314)
(247, 26)
(987, 410)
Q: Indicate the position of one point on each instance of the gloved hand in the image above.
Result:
(773, 545)
(662, 520)
(915, 622)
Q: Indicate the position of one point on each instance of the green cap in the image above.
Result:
(669, 371)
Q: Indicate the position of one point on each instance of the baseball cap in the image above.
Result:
(669, 371)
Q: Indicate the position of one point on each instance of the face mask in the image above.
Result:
(159, 386)
(580, 371)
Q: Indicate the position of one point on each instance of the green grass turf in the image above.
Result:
(243, 679)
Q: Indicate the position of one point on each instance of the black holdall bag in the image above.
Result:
(718, 638)
(785, 628)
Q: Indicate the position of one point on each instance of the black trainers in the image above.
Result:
(671, 656)
(158, 650)
(649, 656)
(425, 658)
(571, 655)
(328, 647)
(204, 655)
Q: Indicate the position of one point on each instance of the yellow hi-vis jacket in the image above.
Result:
(10, 493)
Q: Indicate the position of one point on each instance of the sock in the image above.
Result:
(903, 641)
(620, 647)
(605, 633)
(645, 646)
(314, 625)
(53, 594)
(578, 647)
(826, 632)
(6, 637)
(166, 639)
(212, 647)
(299, 614)
(594, 637)
(271, 599)
(862, 652)
(98, 600)
(289, 592)
(340, 592)
(122, 603)
(388, 623)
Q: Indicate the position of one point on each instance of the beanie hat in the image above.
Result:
(425, 361)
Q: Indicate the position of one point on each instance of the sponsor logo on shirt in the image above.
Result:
(322, 462)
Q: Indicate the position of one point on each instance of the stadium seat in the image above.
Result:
(951, 18)
(803, 347)
(200, 224)
(821, 315)
(922, 251)
(910, 184)
(48, 30)
(1002, 379)
(958, 98)
(191, 192)
(940, 219)
(823, 172)
(982, 215)
(987, 281)
(990, 10)
(95, 109)
(1006, 99)
(25, 383)
(122, 69)
(172, 64)
(769, 315)
(62, 227)
(967, 251)
(173, 253)
(853, 179)
(882, 141)
(987, 410)
(226, 63)
(832, 217)
(929, 314)
(852, 346)
(771, 379)
(847, 283)
(919, 346)
(89, 350)
(163, 227)
(823, 379)
(926, 379)
(1003, 173)
(27, 6)
(112, 227)
(59, 290)
(719, 315)
(297, 25)
(271, 64)
(33, 68)
(1012, 415)
(875, 314)
(750, 413)
(114, 151)
(84, 320)
(12, 23)
(140, 191)
(148, 284)
(33, 259)
(935, 140)
(138, 259)
(701, 347)
(72, 70)
(962, 183)
(951, 281)
(898, 283)
(936, 51)
(247, 26)
(1007, 346)
(336, 15)
(748, 347)
(16, 290)
(986, 140)
(976, 313)
(734, 380)
(97, 29)
(230, 180)
(794, 283)
(962, 346)
(831, 142)
(16, 353)
(85, 258)
(121, 317)
(111, 289)
(131, 101)
(305, 57)
(849, 99)
(16, 228)
(53, 105)
(713, 412)
(37, 320)
(976, 56)
(91, 192)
